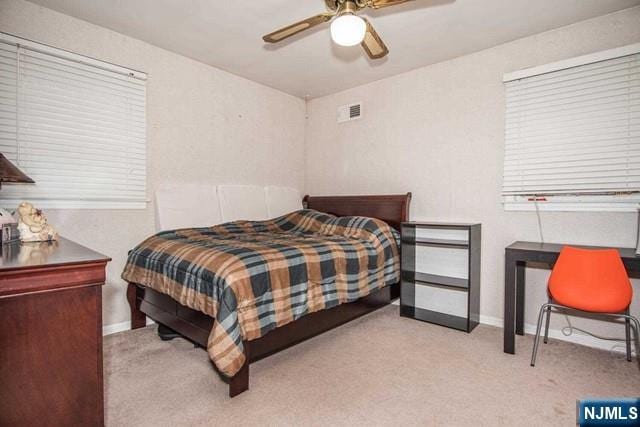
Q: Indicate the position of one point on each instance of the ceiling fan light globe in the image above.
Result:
(348, 30)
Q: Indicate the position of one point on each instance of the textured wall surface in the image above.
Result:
(439, 132)
(436, 131)
(203, 125)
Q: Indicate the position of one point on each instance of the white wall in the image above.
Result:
(203, 125)
(436, 131)
(439, 132)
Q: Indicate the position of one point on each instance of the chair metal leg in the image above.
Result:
(537, 339)
(627, 325)
(546, 326)
(626, 315)
(637, 340)
(637, 333)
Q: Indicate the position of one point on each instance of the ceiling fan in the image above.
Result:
(348, 29)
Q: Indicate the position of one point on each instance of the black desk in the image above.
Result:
(517, 255)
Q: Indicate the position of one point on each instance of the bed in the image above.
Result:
(169, 305)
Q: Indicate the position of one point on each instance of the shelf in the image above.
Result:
(446, 281)
(445, 225)
(442, 319)
(447, 243)
(440, 271)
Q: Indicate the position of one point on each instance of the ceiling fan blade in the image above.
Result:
(293, 29)
(373, 44)
(377, 4)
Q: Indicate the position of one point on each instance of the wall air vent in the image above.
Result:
(346, 113)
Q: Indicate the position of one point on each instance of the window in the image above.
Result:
(572, 134)
(75, 125)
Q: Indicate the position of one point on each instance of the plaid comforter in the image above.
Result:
(253, 276)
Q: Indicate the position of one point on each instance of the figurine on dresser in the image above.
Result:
(33, 225)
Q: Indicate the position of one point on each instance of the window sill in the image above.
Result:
(575, 204)
(77, 204)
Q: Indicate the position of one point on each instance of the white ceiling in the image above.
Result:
(228, 34)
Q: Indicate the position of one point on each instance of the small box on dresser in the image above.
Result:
(51, 334)
(440, 271)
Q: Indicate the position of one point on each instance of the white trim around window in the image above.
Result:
(573, 62)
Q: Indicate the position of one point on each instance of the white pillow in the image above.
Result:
(282, 200)
(187, 205)
(238, 202)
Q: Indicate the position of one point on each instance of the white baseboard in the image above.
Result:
(557, 334)
(576, 338)
(120, 327)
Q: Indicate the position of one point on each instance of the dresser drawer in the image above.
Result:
(51, 358)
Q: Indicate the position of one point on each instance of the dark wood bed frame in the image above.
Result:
(178, 320)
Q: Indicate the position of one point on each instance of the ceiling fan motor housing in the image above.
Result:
(345, 6)
(348, 7)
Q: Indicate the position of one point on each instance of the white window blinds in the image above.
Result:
(574, 130)
(75, 125)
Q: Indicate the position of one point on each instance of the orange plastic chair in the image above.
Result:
(592, 281)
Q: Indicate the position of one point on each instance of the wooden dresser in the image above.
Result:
(51, 334)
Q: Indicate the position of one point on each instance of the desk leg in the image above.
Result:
(509, 305)
(520, 280)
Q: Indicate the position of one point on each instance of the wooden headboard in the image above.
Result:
(392, 209)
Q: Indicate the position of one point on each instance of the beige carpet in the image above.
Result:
(378, 370)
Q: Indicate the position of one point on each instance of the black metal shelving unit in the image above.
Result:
(464, 237)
